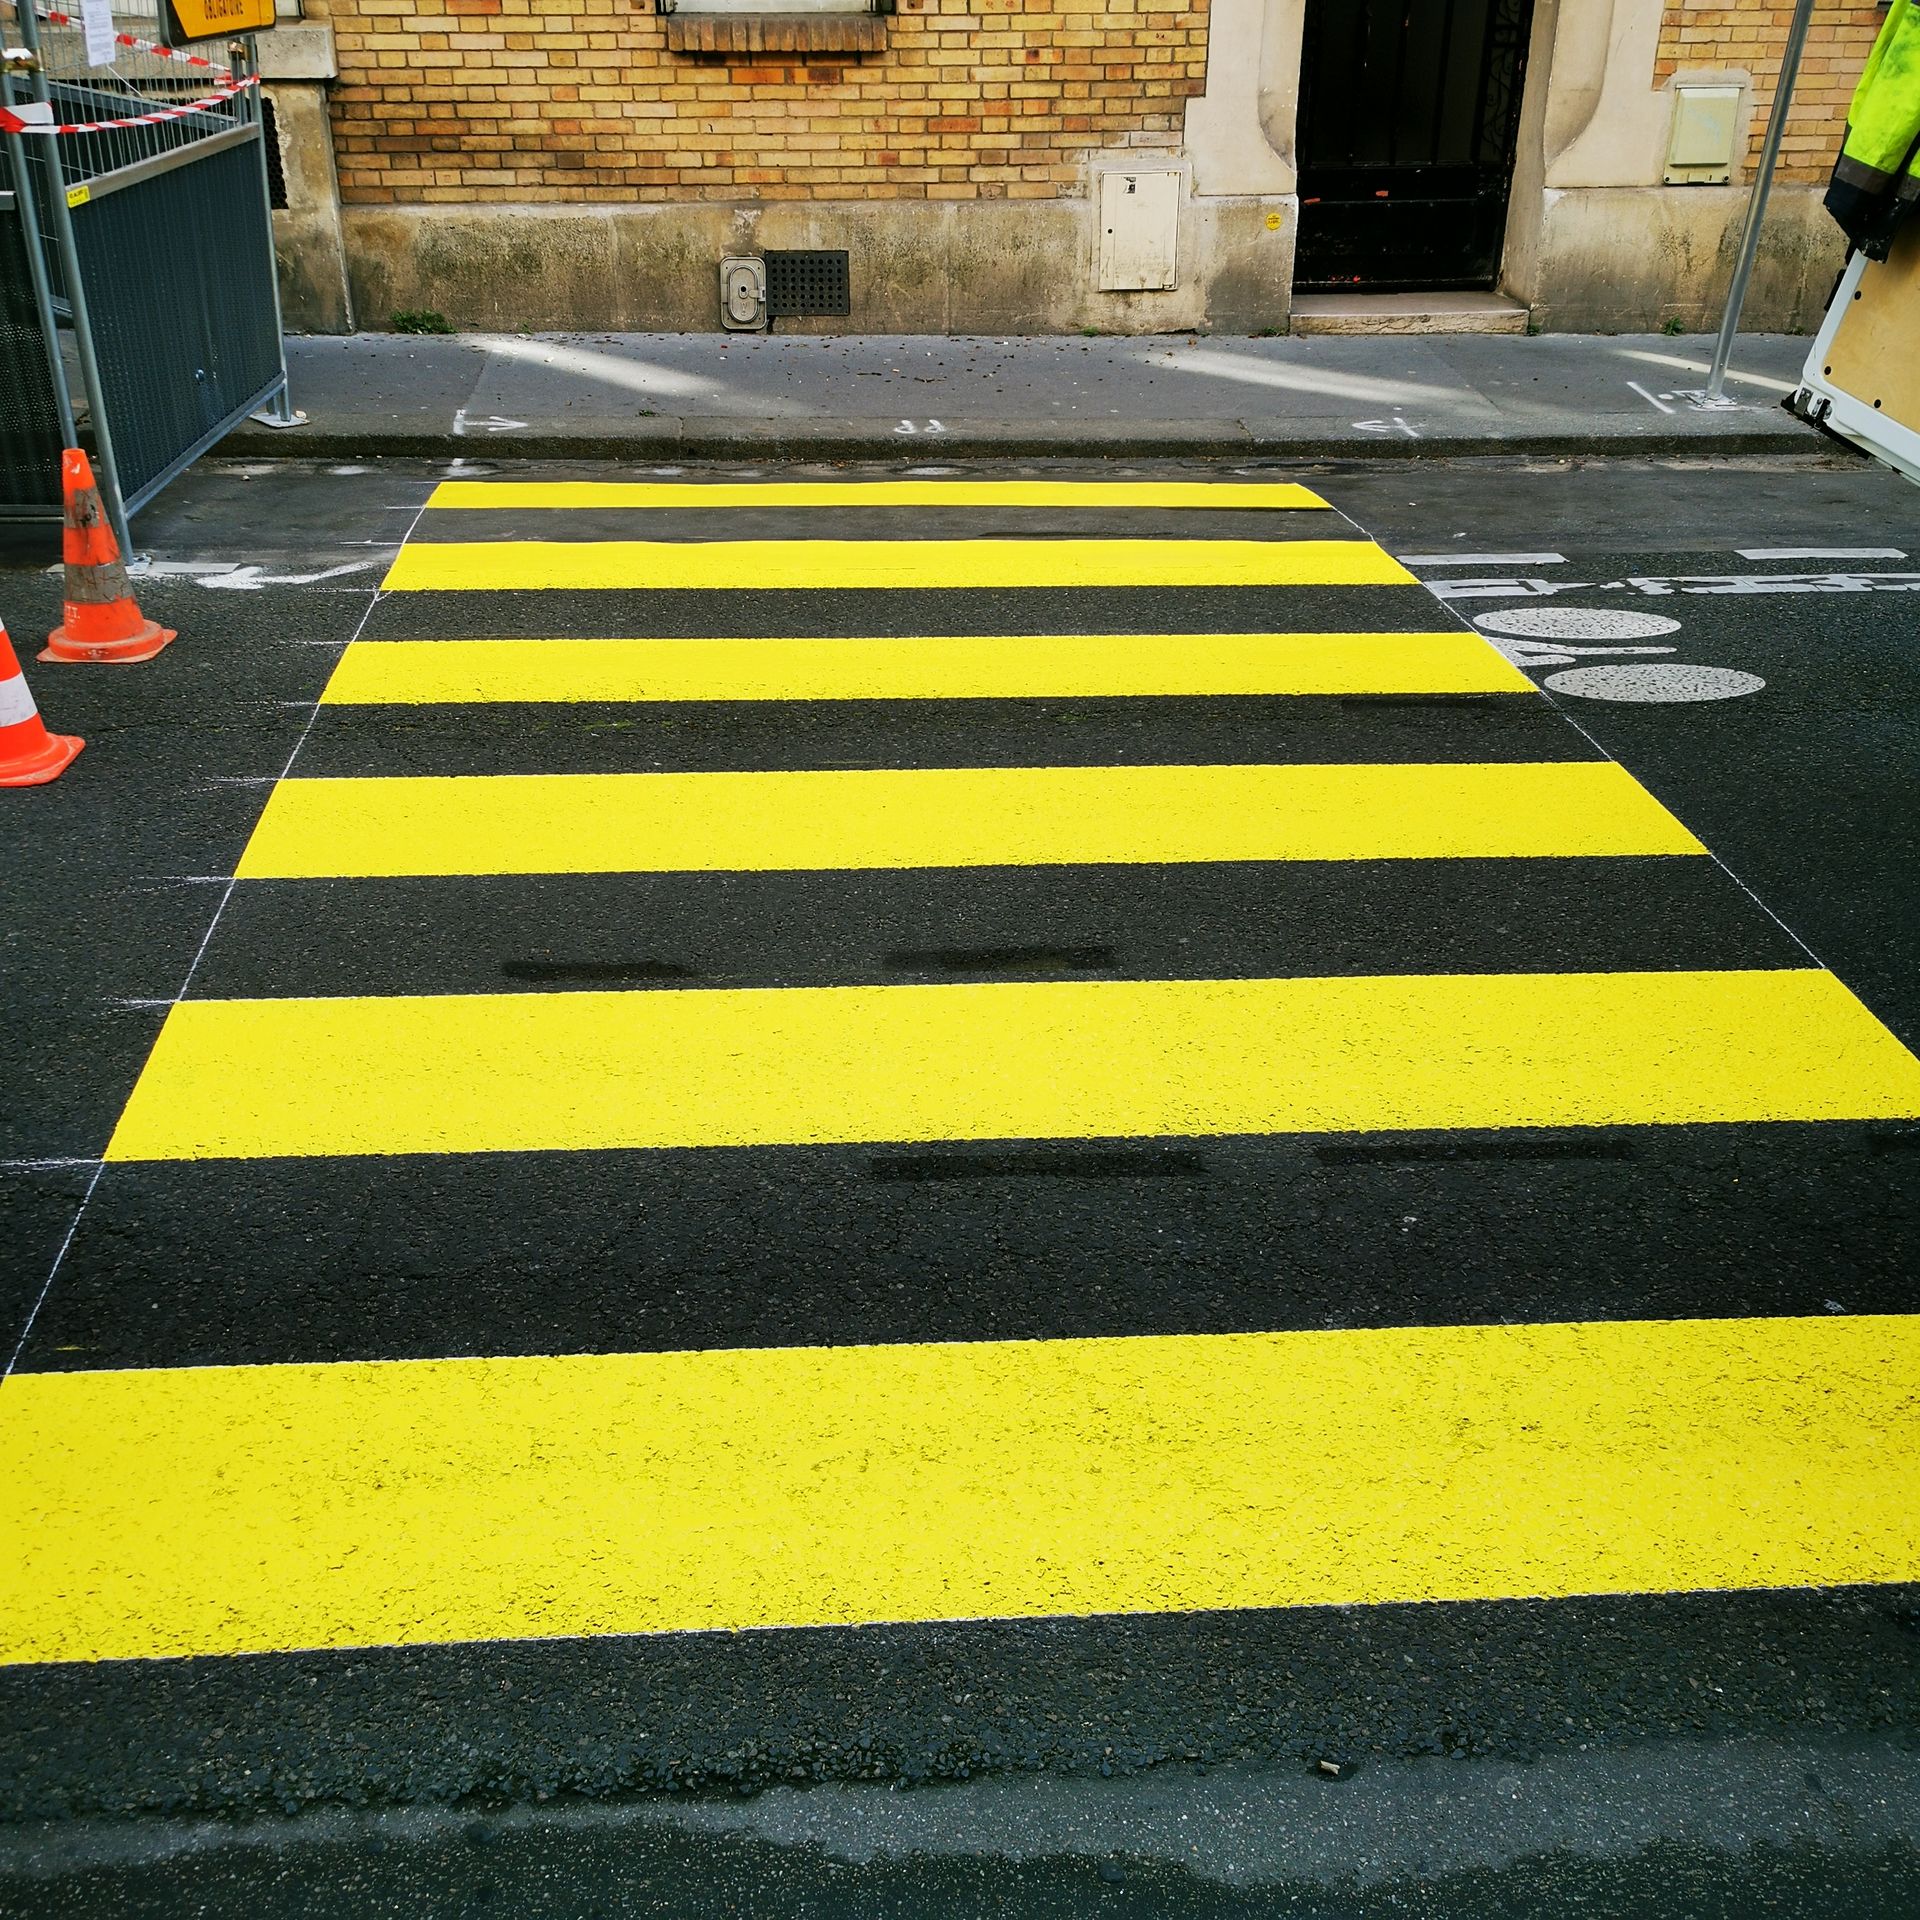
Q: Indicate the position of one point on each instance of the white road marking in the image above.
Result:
(1485, 559)
(1558, 653)
(1846, 581)
(1820, 553)
(1661, 686)
(1578, 623)
(1508, 588)
(1652, 399)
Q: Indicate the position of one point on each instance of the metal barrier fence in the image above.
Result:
(141, 235)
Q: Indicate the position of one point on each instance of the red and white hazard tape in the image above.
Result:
(226, 86)
(13, 123)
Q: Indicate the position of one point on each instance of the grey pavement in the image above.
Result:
(855, 396)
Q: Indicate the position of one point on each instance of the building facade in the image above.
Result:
(1052, 165)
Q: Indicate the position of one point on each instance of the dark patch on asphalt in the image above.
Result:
(1352, 1153)
(1206, 920)
(989, 962)
(888, 613)
(710, 736)
(521, 1720)
(239, 1262)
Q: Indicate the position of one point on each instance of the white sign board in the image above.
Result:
(96, 22)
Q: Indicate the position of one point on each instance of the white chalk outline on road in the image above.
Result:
(493, 423)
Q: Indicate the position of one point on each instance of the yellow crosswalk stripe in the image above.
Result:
(952, 817)
(851, 565)
(479, 1073)
(1159, 494)
(225, 1510)
(1025, 667)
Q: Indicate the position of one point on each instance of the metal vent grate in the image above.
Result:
(807, 280)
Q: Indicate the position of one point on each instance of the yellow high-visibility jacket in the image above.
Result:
(1874, 185)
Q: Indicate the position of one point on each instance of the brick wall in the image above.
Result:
(449, 101)
(1753, 35)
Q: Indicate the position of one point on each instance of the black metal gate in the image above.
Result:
(30, 430)
(1409, 120)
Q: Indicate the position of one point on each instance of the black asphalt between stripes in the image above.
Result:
(462, 525)
(781, 736)
(491, 1724)
(1231, 920)
(365, 1258)
(888, 613)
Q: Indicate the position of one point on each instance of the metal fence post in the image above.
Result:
(29, 213)
(109, 473)
(1757, 205)
(280, 410)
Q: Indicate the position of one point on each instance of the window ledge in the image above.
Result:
(721, 33)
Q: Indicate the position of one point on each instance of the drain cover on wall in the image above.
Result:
(807, 281)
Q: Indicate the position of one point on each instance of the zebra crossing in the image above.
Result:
(706, 1113)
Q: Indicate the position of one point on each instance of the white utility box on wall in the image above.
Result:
(1706, 130)
(1139, 230)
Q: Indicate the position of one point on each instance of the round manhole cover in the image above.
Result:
(1655, 685)
(1576, 623)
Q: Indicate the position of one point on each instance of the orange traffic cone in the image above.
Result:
(30, 756)
(102, 621)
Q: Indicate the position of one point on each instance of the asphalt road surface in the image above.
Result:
(1043, 1138)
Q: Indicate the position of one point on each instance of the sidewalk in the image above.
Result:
(833, 397)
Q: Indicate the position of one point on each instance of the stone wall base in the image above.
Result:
(1586, 260)
(1631, 259)
(917, 266)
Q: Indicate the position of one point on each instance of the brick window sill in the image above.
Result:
(724, 33)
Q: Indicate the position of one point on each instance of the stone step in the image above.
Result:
(1407, 313)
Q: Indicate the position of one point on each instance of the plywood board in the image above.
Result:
(1871, 355)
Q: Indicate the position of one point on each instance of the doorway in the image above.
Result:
(1409, 122)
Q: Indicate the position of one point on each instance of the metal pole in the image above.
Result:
(280, 410)
(1757, 205)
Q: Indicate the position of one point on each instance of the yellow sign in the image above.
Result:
(79, 196)
(215, 19)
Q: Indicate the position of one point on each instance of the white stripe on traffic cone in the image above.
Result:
(30, 756)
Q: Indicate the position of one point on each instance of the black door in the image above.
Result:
(1409, 115)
